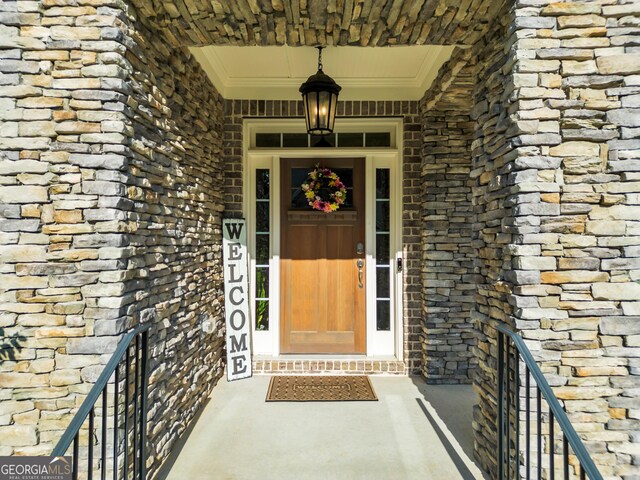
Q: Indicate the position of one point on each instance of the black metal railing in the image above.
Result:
(122, 422)
(546, 453)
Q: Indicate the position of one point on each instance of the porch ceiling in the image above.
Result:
(400, 73)
(318, 22)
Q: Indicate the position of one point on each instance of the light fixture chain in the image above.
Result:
(320, 58)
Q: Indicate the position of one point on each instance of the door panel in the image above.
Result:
(322, 302)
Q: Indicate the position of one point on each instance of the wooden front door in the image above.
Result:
(322, 275)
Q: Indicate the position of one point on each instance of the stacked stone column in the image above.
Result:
(558, 223)
(110, 207)
(449, 282)
(62, 238)
(578, 85)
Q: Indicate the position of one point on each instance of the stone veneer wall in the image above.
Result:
(63, 143)
(110, 204)
(449, 283)
(555, 195)
(237, 110)
(555, 203)
(174, 274)
(491, 233)
(576, 185)
(362, 23)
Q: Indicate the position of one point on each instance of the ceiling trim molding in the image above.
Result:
(286, 88)
(216, 72)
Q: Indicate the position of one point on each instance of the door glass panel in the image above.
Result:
(295, 140)
(262, 242)
(382, 183)
(341, 140)
(382, 282)
(262, 216)
(298, 200)
(262, 314)
(350, 139)
(262, 249)
(299, 176)
(383, 250)
(346, 176)
(330, 139)
(382, 215)
(268, 140)
(262, 282)
(383, 314)
(262, 184)
(378, 139)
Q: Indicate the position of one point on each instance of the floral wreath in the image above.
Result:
(324, 190)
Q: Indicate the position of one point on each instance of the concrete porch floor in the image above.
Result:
(415, 430)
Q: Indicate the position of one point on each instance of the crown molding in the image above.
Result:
(286, 88)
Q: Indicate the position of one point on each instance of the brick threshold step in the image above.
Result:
(329, 366)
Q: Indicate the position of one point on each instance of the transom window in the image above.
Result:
(336, 140)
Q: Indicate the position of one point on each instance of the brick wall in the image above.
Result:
(237, 110)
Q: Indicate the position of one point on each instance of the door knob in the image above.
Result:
(360, 265)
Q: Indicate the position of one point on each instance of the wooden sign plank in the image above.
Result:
(236, 296)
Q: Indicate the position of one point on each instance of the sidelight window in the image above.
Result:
(383, 250)
(262, 242)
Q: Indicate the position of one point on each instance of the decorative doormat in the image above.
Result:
(320, 388)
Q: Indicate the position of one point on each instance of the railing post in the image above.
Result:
(136, 379)
(143, 404)
(103, 437)
(500, 416)
(527, 388)
(585, 466)
(71, 437)
(507, 416)
(516, 381)
(116, 412)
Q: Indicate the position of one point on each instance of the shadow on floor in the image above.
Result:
(451, 450)
(407, 434)
(449, 409)
(179, 445)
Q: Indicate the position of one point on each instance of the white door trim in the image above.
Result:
(380, 344)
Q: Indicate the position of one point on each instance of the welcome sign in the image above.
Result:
(236, 296)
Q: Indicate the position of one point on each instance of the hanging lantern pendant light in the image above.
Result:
(320, 99)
